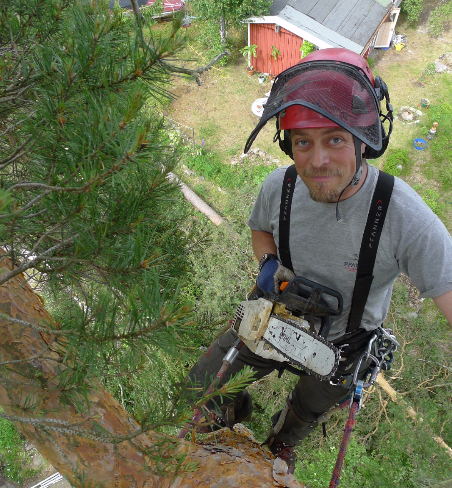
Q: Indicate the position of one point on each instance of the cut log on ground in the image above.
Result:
(397, 398)
(197, 202)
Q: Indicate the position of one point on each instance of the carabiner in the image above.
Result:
(369, 346)
(374, 370)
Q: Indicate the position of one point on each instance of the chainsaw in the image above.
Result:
(277, 327)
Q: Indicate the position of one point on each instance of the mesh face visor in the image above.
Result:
(339, 91)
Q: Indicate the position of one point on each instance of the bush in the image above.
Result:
(13, 459)
(306, 48)
(413, 9)
(397, 160)
(439, 18)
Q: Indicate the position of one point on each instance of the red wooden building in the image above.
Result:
(267, 35)
(356, 25)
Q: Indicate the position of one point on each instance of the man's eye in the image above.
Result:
(336, 140)
(301, 143)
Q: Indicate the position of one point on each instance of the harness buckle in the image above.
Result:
(358, 395)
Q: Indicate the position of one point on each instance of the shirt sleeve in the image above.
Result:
(259, 218)
(428, 261)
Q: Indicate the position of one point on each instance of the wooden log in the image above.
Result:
(196, 201)
(397, 398)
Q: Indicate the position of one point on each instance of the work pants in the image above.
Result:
(309, 399)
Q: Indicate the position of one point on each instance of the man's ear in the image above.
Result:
(363, 148)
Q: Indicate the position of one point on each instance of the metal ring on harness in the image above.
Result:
(374, 371)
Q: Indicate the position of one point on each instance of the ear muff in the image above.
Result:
(370, 153)
(382, 92)
(285, 143)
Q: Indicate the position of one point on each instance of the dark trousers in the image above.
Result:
(309, 399)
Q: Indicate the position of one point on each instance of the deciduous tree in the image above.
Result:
(229, 12)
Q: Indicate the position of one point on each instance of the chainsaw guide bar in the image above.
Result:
(305, 349)
(272, 332)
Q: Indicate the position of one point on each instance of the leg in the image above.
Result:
(207, 367)
(306, 403)
(309, 399)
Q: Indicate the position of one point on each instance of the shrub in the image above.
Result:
(439, 18)
(396, 161)
(306, 48)
(413, 9)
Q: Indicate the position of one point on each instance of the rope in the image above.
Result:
(335, 478)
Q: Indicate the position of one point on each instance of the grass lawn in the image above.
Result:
(388, 448)
(220, 109)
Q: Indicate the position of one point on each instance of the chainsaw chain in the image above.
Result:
(337, 352)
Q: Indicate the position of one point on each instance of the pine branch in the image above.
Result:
(30, 264)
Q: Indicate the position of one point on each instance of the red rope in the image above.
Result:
(335, 478)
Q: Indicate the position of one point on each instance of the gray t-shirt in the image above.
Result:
(413, 241)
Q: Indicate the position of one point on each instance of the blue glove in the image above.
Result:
(272, 274)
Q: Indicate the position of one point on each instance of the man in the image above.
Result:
(328, 108)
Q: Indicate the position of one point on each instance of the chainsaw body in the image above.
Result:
(275, 326)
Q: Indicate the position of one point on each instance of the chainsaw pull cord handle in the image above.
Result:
(227, 361)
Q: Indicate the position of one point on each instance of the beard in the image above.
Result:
(319, 192)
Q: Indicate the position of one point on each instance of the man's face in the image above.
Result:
(325, 161)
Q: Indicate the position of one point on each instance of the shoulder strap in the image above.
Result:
(369, 247)
(290, 177)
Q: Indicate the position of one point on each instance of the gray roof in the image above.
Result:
(356, 20)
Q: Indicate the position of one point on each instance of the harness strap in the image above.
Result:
(369, 247)
(369, 243)
(290, 177)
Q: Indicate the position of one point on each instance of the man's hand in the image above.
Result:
(272, 274)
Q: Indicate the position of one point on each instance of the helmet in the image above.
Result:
(330, 87)
(299, 117)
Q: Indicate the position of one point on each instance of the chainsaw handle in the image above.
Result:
(307, 297)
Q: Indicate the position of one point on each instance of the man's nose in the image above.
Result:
(320, 156)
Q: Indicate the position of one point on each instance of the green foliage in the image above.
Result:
(306, 48)
(431, 198)
(249, 51)
(87, 211)
(430, 69)
(210, 38)
(413, 9)
(227, 13)
(440, 147)
(371, 62)
(397, 160)
(440, 17)
(227, 176)
(275, 53)
(13, 458)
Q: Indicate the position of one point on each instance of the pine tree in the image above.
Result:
(92, 243)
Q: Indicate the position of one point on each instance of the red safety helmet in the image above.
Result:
(328, 88)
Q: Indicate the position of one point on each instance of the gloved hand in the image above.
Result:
(272, 274)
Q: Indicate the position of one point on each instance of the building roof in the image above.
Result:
(330, 23)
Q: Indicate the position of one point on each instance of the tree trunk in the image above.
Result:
(31, 395)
